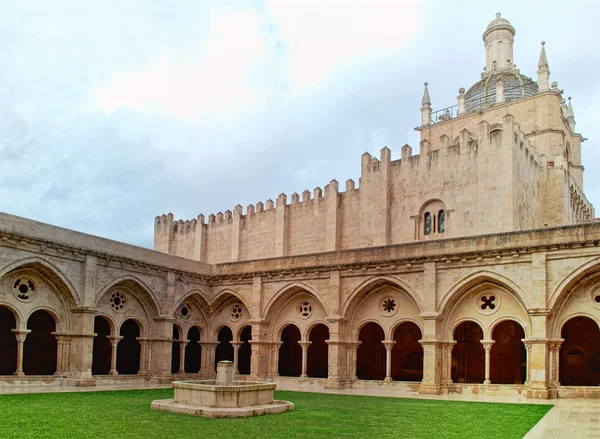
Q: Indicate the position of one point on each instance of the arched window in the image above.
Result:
(441, 221)
(427, 223)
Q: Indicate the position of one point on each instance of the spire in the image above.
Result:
(543, 70)
(543, 62)
(425, 108)
(426, 100)
(570, 115)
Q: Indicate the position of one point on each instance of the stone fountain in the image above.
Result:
(223, 397)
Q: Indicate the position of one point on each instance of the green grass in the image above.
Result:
(127, 414)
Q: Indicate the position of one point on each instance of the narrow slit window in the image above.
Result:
(442, 221)
(427, 223)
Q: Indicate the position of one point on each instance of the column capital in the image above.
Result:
(114, 339)
(208, 345)
(236, 344)
(487, 344)
(304, 344)
(389, 344)
(182, 342)
(21, 334)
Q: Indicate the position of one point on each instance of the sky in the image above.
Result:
(113, 112)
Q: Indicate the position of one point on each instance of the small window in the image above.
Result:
(427, 223)
(441, 221)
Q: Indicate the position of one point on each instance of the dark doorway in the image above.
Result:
(370, 362)
(193, 351)
(317, 361)
(224, 348)
(40, 348)
(129, 348)
(290, 352)
(245, 351)
(407, 353)
(8, 342)
(508, 357)
(102, 348)
(468, 355)
(580, 353)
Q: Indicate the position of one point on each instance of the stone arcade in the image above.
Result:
(471, 267)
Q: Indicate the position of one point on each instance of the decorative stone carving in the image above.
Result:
(25, 289)
(388, 306)
(487, 303)
(118, 301)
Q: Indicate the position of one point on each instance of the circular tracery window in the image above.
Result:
(595, 297)
(305, 309)
(186, 311)
(487, 303)
(236, 312)
(24, 289)
(388, 306)
(118, 300)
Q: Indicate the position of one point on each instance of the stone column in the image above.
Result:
(487, 346)
(431, 367)
(236, 347)
(304, 345)
(447, 362)
(20, 335)
(159, 349)
(79, 352)
(388, 360)
(144, 355)
(538, 377)
(208, 360)
(60, 353)
(274, 372)
(114, 340)
(352, 358)
(182, 344)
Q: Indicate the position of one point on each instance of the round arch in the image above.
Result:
(286, 293)
(142, 292)
(16, 313)
(139, 323)
(390, 334)
(238, 333)
(456, 324)
(495, 323)
(47, 309)
(113, 325)
(52, 274)
(371, 285)
(561, 324)
(279, 329)
(310, 327)
(452, 297)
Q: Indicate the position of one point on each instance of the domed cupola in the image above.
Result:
(500, 72)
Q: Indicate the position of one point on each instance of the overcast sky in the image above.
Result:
(113, 112)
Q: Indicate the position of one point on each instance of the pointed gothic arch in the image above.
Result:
(286, 293)
(51, 273)
(374, 284)
(142, 292)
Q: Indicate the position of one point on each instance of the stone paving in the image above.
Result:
(569, 418)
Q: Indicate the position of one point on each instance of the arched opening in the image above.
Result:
(407, 353)
(580, 353)
(102, 347)
(175, 356)
(442, 221)
(193, 351)
(224, 348)
(427, 227)
(8, 342)
(290, 352)
(40, 348)
(317, 354)
(245, 351)
(370, 361)
(468, 355)
(129, 348)
(508, 357)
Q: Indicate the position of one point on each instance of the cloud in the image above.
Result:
(209, 87)
(323, 36)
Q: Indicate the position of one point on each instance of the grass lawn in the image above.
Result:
(127, 414)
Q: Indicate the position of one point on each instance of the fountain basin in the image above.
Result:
(223, 398)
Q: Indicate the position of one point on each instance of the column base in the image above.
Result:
(387, 380)
(19, 373)
(429, 389)
(540, 392)
(113, 372)
(303, 376)
(487, 382)
(335, 383)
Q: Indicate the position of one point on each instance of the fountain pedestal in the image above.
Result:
(223, 398)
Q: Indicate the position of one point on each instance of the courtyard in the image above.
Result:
(127, 414)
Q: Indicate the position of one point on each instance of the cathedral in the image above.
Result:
(402, 280)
